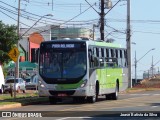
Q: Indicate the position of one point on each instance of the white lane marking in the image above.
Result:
(73, 118)
(155, 106)
(141, 94)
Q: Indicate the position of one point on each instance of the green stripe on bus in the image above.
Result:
(108, 44)
(69, 86)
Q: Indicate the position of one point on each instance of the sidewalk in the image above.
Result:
(15, 105)
(7, 104)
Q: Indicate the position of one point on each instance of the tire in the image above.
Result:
(24, 91)
(18, 89)
(93, 99)
(108, 96)
(115, 94)
(52, 100)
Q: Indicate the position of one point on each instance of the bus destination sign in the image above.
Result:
(63, 45)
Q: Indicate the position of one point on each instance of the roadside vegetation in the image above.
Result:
(23, 98)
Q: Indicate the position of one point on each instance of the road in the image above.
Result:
(137, 102)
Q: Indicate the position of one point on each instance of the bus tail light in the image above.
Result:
(84, 83)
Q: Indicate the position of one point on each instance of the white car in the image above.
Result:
(33, 84)
(19, 85)
(1, 80)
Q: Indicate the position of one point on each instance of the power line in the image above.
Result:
(44, 17)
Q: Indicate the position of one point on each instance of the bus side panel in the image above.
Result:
(124, 85)
(107, 78)
(91, 82)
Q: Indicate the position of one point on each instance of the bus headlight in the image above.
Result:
(41, 85)
(84, 83)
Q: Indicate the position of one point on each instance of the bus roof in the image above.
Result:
(88, 41)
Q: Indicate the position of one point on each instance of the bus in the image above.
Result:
(82, 69)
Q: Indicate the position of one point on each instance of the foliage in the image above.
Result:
(8, 39)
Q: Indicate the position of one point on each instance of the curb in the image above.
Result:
(15, 105)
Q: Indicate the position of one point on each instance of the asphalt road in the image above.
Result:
(139, 104)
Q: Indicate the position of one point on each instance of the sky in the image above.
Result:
(145, 22)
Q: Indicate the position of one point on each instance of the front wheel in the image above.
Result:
(92, 99)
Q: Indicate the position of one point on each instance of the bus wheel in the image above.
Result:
(52, 100)
(108, 96)
(115, 94)
(93, 99)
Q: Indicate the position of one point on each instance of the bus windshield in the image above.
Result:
(63, 63)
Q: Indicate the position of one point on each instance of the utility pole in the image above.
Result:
(135, 69)
(17, 63)
(152, 66)
(102, 14)
(16, 74)
(128, 40)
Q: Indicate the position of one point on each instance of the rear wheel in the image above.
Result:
(108, 97)
(115, 94)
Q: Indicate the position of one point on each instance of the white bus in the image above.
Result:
(81, 69)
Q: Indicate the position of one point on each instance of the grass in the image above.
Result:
(25, 95)
(140, 89)
(24, 99)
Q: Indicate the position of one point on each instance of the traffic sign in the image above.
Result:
(14, 54)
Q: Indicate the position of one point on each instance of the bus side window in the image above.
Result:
(96, 55)
(125, 57)
(112, 53)
(91, 57)
(120, 64)
(107, 53)
(101, 58)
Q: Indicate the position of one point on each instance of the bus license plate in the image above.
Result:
(62, 94)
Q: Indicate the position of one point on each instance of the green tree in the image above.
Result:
(8, 39)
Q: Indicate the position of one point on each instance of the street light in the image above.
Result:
(17, 63)
(36, 23)
(136, 61)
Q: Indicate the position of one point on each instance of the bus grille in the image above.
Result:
(70, 92)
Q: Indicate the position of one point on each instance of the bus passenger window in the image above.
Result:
(107, 53)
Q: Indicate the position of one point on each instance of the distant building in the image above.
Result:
(31, 39)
